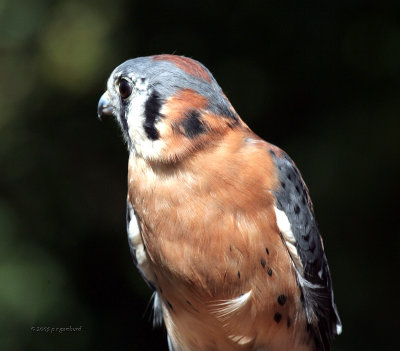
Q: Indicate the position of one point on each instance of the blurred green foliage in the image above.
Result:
(320, 79)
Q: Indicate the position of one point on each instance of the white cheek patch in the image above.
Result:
(286, 230)
(142, 145)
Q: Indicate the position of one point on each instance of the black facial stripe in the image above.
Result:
(192, 124)
(123, 121)
(152, 114)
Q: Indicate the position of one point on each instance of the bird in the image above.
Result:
(220, 222)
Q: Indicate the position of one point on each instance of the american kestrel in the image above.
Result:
(220, 223)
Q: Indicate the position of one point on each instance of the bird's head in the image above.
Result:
(167, 106)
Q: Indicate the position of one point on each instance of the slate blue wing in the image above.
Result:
(313, 277)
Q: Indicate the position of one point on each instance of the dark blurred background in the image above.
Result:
(318, 78)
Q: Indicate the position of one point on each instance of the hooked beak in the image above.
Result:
(104, 107)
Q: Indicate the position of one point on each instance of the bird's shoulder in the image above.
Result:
(299, 231)
(295, 219)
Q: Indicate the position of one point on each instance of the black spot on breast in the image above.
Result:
(289, 176)
(188, 302)
(152, 114)
(288, 322)
(303, 200)
(282, 299)
(192, 124)
(269, 271)
(170, 306)
(283, 185)
(267, 251)
(297, 209)
(306, 237)
(230, 248)
(277, 317)
(263, 262)
(238, 274)
(297, 189)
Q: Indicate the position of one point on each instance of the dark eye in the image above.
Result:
(125, 88)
